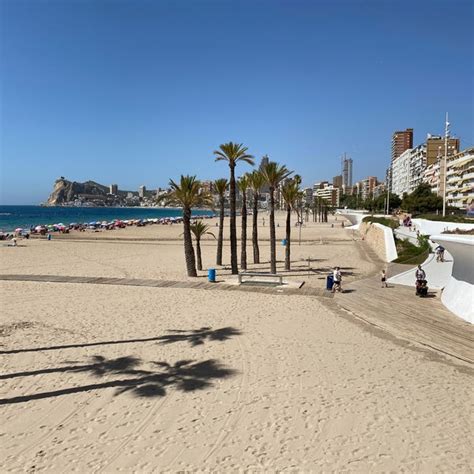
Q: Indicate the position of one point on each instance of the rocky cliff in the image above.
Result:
(69, 191)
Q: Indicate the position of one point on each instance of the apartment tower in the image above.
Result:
(401, 141)
(347, 172)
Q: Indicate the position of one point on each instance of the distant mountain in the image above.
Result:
(89, 193)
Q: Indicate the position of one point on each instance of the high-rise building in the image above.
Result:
(337, 181)
(264, 161)
(308, 195)
(401, 141)
(113, 189)
(401, 173)
(142, 191)
(435, 148)
(347, 172)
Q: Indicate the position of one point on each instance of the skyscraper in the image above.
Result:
(264, 161)
(401, 141)
(347, 172)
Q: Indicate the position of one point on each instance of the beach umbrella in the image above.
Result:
(19, 229)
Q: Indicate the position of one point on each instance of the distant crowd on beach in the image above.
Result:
(95, 226)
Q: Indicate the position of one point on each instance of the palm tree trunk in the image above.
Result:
(243, 239)
(288, 238)
(220, 239)
(233, 225)
(188, 243)
(272, 232)
(198, 254)
(256, 251)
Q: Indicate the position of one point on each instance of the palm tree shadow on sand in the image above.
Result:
(198, 336)
(184, 375)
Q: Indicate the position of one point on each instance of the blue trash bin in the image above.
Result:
(329, 282)
(283, 242)
(211, 275)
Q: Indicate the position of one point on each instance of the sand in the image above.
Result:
(133, 379)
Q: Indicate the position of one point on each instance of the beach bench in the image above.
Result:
(260, 276)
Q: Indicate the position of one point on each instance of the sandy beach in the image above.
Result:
(133, 379)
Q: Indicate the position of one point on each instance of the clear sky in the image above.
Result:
(136, 92)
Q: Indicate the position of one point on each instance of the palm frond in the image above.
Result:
(198, 228)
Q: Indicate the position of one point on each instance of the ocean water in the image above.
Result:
(12, 217)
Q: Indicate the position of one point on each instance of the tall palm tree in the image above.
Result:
(256, 182)
(291, 195)
(187, 194)
(274, 174)
(220, 186)
(233, 153)
(243, 185)
(199, 229)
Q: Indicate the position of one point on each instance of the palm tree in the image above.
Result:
(274, 174)
(291, 195)
(187, 194)
(199, 229)
(233, 153)
(256, 182)
(220, 186)
(243, 185)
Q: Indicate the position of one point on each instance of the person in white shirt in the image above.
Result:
(337, 280)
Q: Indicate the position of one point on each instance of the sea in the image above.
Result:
(12, 217)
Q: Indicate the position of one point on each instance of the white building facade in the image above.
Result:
(401, 173)
(460, 179)
(417, 167)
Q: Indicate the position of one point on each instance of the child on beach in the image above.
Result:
(383, 279)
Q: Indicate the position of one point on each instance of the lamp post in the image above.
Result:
(445, 167)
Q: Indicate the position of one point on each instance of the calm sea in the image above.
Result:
(12, 217)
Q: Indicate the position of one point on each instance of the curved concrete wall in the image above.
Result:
(380, 238)
(391, 253)
(458, 295)
(355, 218)
(427, 227)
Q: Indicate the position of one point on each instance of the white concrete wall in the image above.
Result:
(458, 295)
(380, 239)
(354, 217)
(427, 227)
(390, 247)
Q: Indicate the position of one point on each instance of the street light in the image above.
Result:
(446, 135)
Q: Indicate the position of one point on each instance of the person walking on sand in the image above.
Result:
(383, 278)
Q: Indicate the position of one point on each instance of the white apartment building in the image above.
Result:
(401, 173)
(460, 179)
(431, 176)
(327, 192)
(417, 167)
(379, 190)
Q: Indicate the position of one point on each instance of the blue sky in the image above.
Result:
(136, 92)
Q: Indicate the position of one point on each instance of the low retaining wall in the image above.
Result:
(355, 218)
(427, 227)
(380, 238)
(458, 294)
